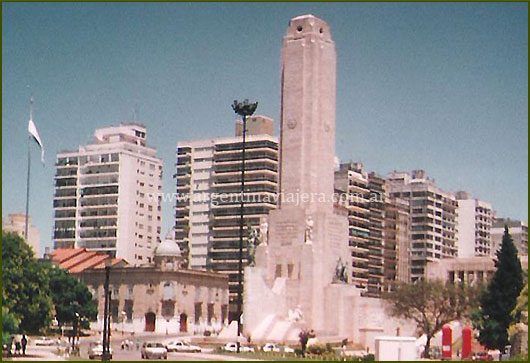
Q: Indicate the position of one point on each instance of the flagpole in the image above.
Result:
(29, 168)
(27, 190)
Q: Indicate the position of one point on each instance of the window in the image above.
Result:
(168, 308)
(278, 272)
(290, 268)
(128, 308)
(198, 312)
(210, 313)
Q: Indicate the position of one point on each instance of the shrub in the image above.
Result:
(368, 357)
(298, 351)
(317, 349)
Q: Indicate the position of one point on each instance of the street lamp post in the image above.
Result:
(76, 333)
(243, 109)
(123, 317)
(106, 314)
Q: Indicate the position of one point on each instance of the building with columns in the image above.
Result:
(466, 269)
(163, 297)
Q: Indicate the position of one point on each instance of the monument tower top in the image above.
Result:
(308, 114)
(308, 24)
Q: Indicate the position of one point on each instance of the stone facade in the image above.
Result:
(164, 297)
(302, 273)
(466, 269)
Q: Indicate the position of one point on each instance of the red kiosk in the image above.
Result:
(447, 342)
(466, 342)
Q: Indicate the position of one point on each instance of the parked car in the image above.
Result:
(482, 356)
(154, 350)
(181, 346)
(45, 341)
(271, 347)
(232, 347)
(286, 349)
(95, 350)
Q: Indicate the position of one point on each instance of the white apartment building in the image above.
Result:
(517, 229)
(208, 183)
(475, 218)
(433, 218)
(106, 195)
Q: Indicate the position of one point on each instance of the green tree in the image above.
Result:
(431, 305)
(9, 325)
(70, 296)
(498, 301)
(25, 285)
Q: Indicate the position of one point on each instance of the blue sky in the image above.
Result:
(443, 87)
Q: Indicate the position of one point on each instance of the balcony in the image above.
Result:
(99, 191)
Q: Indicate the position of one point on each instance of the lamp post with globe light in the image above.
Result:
(106, 313)
(243, 109)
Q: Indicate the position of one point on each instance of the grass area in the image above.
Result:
(286, 356)
(77, 358)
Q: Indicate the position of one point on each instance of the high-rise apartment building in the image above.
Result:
(208, 183)
(517, 229)
(433, 218)
(365, 204)
(396, 241)
(106, 195)
(475, 218)
(17, 223)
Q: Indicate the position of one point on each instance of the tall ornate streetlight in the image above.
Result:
(243, 109)
(106, 313)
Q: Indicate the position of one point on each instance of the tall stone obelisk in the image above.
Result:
(308, 112)
(306, 239)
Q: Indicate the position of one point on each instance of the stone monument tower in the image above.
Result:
(300, 277)
(307, 242)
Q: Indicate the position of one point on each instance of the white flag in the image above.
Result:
(33, 132)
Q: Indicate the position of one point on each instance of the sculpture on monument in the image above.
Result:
(253, 242)
(264, 231)
(296, 315)
(341, 272)
(308, 237)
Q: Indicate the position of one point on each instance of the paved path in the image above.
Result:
(34, 352)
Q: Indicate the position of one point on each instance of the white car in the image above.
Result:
(45, 341)
(95, 350)
(232, 347)
(152, 350)
(271, 347)
(180, 346)
(286, 349)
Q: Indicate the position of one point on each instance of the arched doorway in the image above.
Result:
(150, 319)
(183, 323)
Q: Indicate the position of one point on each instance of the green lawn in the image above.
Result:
(286, 357)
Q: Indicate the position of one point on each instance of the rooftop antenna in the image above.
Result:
(136, 112)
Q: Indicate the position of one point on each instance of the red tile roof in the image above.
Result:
(77, 260)
(63, 254)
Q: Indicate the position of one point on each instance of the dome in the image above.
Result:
(168, 248)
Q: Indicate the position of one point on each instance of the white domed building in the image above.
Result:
(163, 297)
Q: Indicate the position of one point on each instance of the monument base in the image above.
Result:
(269, 318)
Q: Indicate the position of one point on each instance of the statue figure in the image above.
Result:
(341, 272)
(308, 237)
(264, 231)
(253, 242)
(296, 314)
